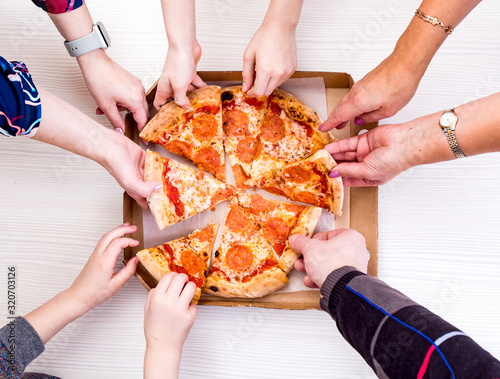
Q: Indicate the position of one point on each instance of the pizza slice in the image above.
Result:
(278, 221)
(195, 134)
(307, 181)
(289, 133)
(187, 255)
(185, 192)
(244, 264)
(241, 118)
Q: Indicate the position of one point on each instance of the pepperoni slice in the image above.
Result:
(279, 248)
(275, 108)
(239, 176)
(204, 235)
(273, 128)
(295, 208)
(204, 127)
(221, 194)
(235, 122)
(246, 149)
(275, 230)
(239, 258)
(179, 147)
(261, 205)
(192, 263)
(236, 221)
(297, 174)
(208, 159)
(307, 197)
(255, 102)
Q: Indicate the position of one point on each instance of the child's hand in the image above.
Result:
(272, 54)
(98, 281)
(179, 76)
(169, 313)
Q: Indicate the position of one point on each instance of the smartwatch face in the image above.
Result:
(448, 119)
(104, 33)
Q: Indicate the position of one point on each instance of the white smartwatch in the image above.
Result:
(98, 39)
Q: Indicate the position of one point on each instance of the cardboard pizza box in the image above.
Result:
(360, 209)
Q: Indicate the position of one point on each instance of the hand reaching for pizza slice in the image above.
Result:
(169, 315)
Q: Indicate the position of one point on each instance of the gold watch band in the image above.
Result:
(452, 140)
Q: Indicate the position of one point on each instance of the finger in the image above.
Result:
(248, 72)
(352, 170)
(273, 84)
(180, 96)
(115, 118)
(374, 116)
(141, 190)
(164, 283)
(140, 113)
(115, 247)
(299, 243)
(117, 232)
(343, 112)
(176, 286)
(343, 146)
(124, 274)
(323, 236)
(357, 182)
(348, 156)
(187, 294)
(309, 283)
(299, 265)
(260, 85)
(198, 82)
(163, 92)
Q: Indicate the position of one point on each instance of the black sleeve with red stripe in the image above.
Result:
(397, 337)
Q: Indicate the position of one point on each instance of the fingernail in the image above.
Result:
(135, 259)
(334, 174)
(158, 187)
(362, 131)
(320, 128)
(119, 130)
(343, 125)
(359, 121)
(126, 223)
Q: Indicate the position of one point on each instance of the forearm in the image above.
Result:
(396, 336)
(284, 13)
(477, 132)
(161, 362)
(180, 23)
(55, 314)
(419, 43)
(64, 126)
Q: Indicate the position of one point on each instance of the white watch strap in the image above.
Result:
(84, 45)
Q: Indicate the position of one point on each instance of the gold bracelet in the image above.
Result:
(433, 20)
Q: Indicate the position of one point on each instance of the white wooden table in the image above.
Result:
(439, 225)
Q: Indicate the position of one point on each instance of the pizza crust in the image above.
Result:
(306, 225)
(260, 285)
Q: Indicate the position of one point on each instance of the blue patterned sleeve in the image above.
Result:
(58, 6)
(20, 106)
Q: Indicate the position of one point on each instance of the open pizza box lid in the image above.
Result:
(360, 209)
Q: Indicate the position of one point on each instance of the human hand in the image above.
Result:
(269, 60)
(328, 251)
(380, 94)
(114, 89)
(169, 313)
(98, 281)
(179, 76)
(125, 160)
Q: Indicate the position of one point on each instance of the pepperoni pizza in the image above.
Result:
(188, 255)
(185, 191)
(307, 181)
(195, 133)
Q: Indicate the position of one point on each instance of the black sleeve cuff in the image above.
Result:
(23, 338)
(334, 285)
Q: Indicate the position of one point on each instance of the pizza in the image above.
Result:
(241, 123)
(289, 132)
(307, 181)
(187, 255)
(244, 264)
(185, 192)
(278, 221)
(195, 134)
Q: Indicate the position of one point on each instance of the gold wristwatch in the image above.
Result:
(448, 122)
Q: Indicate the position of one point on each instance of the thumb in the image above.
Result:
(144, 189)
(299, 243)
(248, 72)
(125, 273)
(181, 98)
(352, 170)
